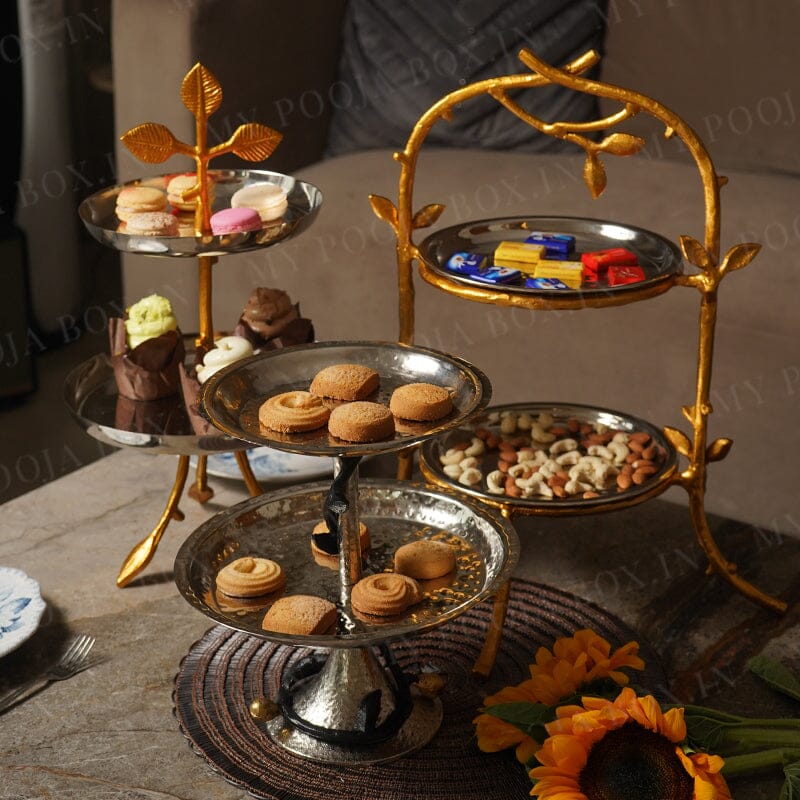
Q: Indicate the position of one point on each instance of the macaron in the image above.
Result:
(139, 199)
(179, 184)
(268, 199)
(152, 223)
(235, 220)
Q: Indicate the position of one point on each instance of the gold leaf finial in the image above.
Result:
(150, 142)
(201, 92)
(254, 142)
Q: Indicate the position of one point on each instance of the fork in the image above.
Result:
(73, 660)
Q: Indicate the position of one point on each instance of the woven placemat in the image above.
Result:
(226, 669)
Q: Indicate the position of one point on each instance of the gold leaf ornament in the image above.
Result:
(695, 253)
(150, 142)
(718, 449)
(739, 256)
(427, 215)
(679, 440)
(384, 209)
(621, 144)
(201, 92)
(254, 142)
(594, 174)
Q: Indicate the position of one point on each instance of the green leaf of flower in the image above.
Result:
(791, 786)
(530, 718)
(777, 675)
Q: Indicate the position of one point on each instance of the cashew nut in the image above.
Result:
(563, 446)
(476, 448)
(577, 487)
(601, 451)
(471, 476)
(619, 450)
(452, 470)
(568, 458)
(452, 456)
(468, 463)
(539, 434)
(508, 422)
(524, 421)
(495, 481)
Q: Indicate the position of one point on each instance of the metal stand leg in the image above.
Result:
(200, 490)
(141, 555)
(247, 473)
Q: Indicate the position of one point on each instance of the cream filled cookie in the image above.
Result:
(250, 576)
(422, 402)
(293, 412)
(302, 614)
(345, 382)
(385, 594)
(361, 421)
(425, 559)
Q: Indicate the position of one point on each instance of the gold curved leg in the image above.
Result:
(200, 490)
(727, 570)
(140, 556)
(484, 664)
(247, 473)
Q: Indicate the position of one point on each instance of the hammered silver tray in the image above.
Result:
(660, 259)
(230, 399)
(163, 426)
(432, 451)
(98, 215)
(278, 526)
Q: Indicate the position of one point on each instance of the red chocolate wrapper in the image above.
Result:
(149, 371)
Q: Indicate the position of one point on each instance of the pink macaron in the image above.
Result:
(235, 220)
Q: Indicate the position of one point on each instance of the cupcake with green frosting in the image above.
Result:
(147, 350)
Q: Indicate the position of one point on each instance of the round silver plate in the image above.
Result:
(432, 450)
(278, 526)
(659, 257)
(91, 395)
(231, 398)
(99, 217)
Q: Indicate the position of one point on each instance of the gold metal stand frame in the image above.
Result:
(154, 143)
(704, 256)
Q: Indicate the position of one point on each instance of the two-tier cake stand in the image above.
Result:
(90, 391)
(663, 269)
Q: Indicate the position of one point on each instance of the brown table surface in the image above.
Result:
(111, 732)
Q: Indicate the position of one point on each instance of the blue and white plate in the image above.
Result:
(21, 608)
(271, 466)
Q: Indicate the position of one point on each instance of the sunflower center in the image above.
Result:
(632, 763)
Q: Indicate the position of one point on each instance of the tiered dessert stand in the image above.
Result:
(348, 702)
(663, 270)
(90, 389)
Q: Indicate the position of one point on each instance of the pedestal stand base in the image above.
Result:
(226, 669)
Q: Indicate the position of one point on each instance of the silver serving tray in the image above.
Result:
(278, 526)
(431, 451)
(231, 398)
(659, 257)
(90, 393)
(98, 215)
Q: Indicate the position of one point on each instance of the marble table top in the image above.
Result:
(111, 732)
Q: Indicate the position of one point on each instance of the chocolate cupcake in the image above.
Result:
(147, 350)
(270, 321)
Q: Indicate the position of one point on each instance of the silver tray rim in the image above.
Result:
(305, 201)
(557, 224)
(211, 391)
(429, 455)
(93, 373)
(373, 634)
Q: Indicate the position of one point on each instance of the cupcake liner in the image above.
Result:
(150, 370)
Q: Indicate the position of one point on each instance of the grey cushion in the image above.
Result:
(398, 59)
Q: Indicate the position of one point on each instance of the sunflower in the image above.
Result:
(574, 663)
(620, 750)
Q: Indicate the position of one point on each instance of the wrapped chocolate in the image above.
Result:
(147, 350)
(270, 321)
